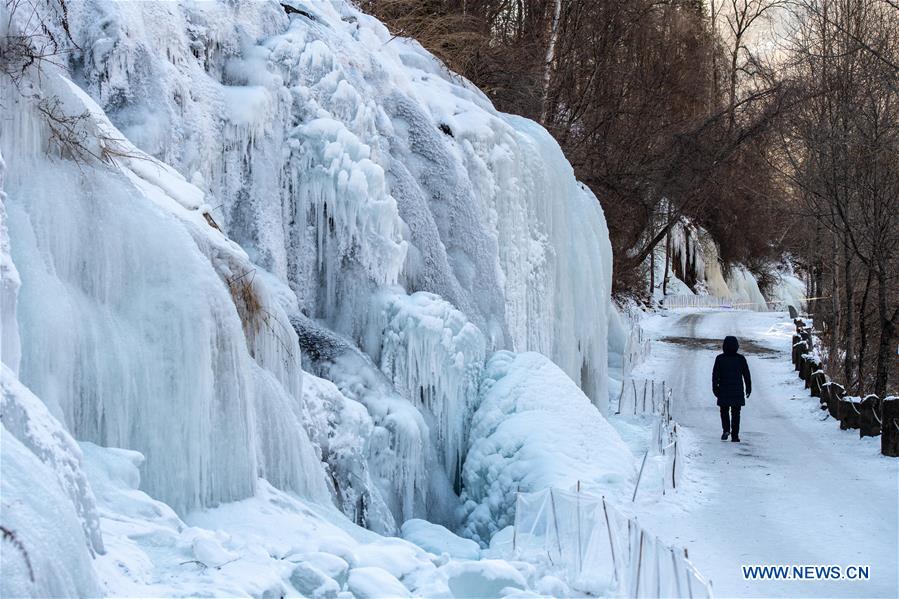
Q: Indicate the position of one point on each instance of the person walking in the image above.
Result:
(728, 377)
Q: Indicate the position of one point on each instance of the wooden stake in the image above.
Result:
(639, 564)
(611, 542)
(637, 486)
(552, 499)
(580, 555)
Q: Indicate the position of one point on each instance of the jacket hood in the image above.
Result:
(731, 345)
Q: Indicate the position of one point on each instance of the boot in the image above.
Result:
(735, 438)
(725, 435)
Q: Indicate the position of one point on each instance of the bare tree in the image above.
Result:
(842, 146)
(740, 19)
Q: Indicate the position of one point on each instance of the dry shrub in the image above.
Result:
(249, 305)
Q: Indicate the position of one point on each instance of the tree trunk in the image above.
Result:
(667, 259)
(834, 337)
(887, 330)
(849, 312)
(553, 36)
(732, 96)
(863, 334)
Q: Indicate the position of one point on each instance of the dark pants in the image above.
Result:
(730, 423)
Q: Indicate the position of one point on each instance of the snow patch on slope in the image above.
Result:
(534, 429)
(45, 553)
(26, 418)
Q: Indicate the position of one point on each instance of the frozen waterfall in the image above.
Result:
(278, 269)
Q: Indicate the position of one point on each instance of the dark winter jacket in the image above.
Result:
(729, 374)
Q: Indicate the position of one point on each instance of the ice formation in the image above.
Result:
(433, 355)
(10, 350)
(535, 429)
(338, 174)
(788, 288)
(266, 272)
(135, 337)
(44, 549)
(698, 269)
(26, 418)
(438, 540)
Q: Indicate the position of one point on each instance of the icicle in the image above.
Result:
(10, 348)
(434, 356)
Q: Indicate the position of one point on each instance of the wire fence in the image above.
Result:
(654, 398)
(675, 302)
(643, 396)
(636, 349)
(593, 545)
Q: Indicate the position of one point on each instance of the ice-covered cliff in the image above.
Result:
(697, 268)
(270, 247)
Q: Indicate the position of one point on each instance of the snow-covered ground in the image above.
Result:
(796, 490)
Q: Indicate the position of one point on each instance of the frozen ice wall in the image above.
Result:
(142, 326)
(788, 288)
(699, 261)
(44, 551)
(10, 351)
(346, 160)
(336, 200)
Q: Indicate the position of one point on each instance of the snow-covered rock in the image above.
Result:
(26, 418)
(438, 540)
(486, 578)
(534, 429)
(375, 583)
(45, 553)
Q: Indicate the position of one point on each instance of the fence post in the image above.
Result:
(605, 511)
(515, 528)
(637, 486)
(668, 403)
(889, 438)
(580, 555)
(639, 564)
(658, 569)
(849, 414)
(868, 421)
(674, 569)
(674, 462)
(687, 571)
(834, 393)
(552, 499)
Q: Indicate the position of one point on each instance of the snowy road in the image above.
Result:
(797, 490)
